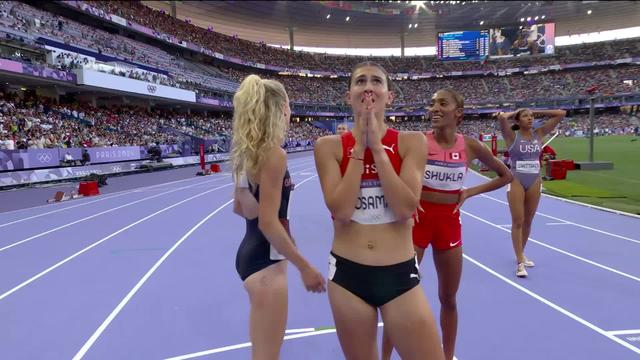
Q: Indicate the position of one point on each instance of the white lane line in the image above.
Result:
(312, 332)
(305, 180)
(248, 344)
(569, 222)
(113, 193)
(296, 331)
(60, 263)
(245, 345)
(558, 223)
(554, 306)
(624, 332)
(302, 163)
(558, 250)
(98, 214)
(106, 197)
(87, 345)
(617, 212)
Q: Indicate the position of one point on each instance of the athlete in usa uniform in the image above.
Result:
(525, 145)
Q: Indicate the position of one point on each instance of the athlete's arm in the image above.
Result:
(244, 204)
(555, 116)
(402, 192)
(477, 150)
(271, 176)
(340, 192)
(507, 134)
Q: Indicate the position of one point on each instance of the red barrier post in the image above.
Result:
(202, 156)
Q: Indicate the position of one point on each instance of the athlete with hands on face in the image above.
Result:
(370, 179)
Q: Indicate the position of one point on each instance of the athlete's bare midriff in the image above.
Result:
(439, 198)
(377, 245)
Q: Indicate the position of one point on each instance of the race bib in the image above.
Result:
(528, 167)
(444, 176)
(371, 206)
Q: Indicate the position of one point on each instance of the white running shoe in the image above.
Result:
(521, 271)
(528, 263)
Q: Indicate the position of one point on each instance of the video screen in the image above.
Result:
(463, 45)
(523, 40)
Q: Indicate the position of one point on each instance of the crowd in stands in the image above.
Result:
(260, 53)
(476, 90)
(35, 123)
(208, 80)
(574, 125)
(469, 126)
(182, 73)
(304, 133)
(604, 124)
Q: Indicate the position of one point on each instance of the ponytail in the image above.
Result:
(257, 123)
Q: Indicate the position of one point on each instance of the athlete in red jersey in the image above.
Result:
(449, 155)
(370, 180)
(371, 207)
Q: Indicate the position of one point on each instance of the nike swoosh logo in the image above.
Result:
(411, 276)
(455, 243)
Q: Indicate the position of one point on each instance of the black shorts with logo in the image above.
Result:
(375, 285)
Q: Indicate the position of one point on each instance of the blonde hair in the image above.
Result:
(257, 123)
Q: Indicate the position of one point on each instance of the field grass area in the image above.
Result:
(615, 189)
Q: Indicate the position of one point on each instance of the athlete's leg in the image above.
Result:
(411, 327)
(449, 268)
(531, 201)
(267, 290)
(356, 323)
(515, 195)
(387, 345)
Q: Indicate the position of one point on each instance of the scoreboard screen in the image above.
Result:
(463, 45)
(527, 39)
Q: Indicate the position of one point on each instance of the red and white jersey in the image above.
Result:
(372, 207)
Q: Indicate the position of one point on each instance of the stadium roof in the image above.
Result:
(378, 24)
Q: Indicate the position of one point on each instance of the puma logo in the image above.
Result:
(390, 148)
